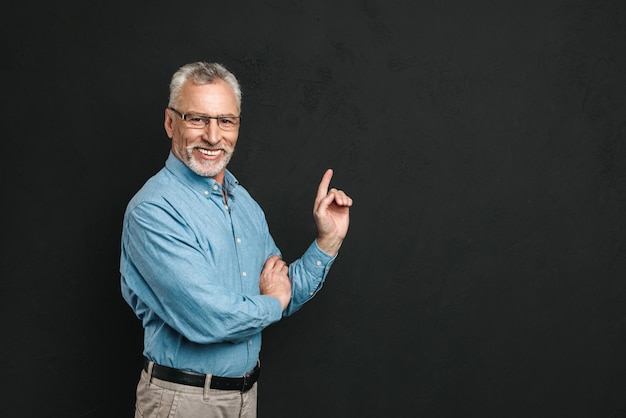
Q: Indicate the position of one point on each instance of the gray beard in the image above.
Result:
(204, 170)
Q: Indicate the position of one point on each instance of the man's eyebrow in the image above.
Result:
(225, 115)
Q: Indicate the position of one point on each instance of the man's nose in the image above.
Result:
(212, 132)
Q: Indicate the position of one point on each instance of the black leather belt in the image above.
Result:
(184, 377)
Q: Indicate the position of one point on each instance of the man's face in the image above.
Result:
(206, 151)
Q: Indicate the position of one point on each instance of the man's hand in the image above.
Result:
(275, 280)
(332, 215)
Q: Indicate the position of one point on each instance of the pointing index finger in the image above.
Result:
(322, 190)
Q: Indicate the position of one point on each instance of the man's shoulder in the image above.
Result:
(160, 187)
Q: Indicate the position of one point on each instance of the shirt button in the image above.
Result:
(238, 240)
(206, 192)
(250, 342)
(215, 187)
(244, 274)
(226, 207)
(319, 263)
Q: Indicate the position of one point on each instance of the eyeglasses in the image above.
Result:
(225, 123)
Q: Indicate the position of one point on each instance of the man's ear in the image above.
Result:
(168, 123)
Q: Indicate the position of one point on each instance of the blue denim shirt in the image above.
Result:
(190, 267)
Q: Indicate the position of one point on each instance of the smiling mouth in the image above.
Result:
(209, 153)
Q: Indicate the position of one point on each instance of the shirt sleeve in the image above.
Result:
(307, 276)
(165, 275)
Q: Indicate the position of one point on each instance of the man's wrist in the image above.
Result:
(329, 245)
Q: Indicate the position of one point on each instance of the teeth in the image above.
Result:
(209, 152)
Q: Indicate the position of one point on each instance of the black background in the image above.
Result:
(482, 142)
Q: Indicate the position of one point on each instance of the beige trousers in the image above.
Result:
(160, 399)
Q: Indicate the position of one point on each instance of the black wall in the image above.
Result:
(482, 142)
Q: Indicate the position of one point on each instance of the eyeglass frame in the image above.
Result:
(207, 119)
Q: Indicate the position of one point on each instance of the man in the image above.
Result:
(199, 266)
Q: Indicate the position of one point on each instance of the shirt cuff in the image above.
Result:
(317, 261)
(274, 308)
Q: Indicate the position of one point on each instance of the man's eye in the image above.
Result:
(227, 121)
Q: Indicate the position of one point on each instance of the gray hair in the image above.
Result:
(202, 73)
